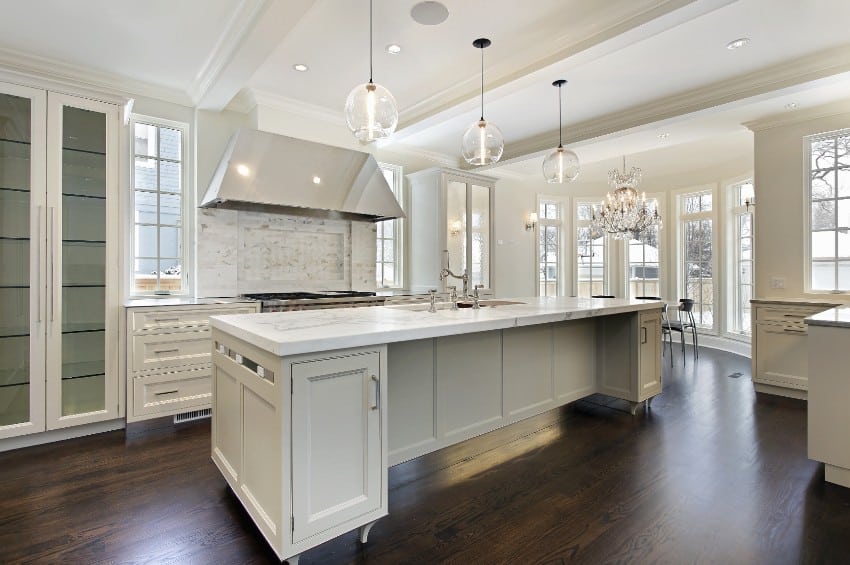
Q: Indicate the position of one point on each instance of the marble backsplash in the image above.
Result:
(244, 252)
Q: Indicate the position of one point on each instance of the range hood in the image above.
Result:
(262, 171)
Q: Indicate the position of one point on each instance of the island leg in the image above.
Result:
(293, 560)
(364, 531)
(634, 406)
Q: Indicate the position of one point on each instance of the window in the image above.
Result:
(697, 254)
(742, 257)
(643, 260)
(158, 207)
(388, 268)
(591, 248)
(829, 192)
(549, 237)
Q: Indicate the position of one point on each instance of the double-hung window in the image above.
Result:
(829, 212)
(697, 252)
(643, 259)
(388, 266)
(741, 283)
(159, 207)
(549, 247)
(591, 276)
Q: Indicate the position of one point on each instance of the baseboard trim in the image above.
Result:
(725, 344)
(60, 435)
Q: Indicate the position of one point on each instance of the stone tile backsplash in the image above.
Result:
(243, 252)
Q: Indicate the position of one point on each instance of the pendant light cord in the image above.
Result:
(370, 41)
(560, 118)
(482, 84)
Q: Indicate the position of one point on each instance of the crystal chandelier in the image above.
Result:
(624, 214)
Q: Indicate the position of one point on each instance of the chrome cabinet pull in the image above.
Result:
(789, 330)
(159, 351)
(165, 392)
(166, 319)
(377, 392)
(643, 334)
(38, 263)
(53, 291)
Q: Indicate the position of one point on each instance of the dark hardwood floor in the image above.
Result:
(713, 474)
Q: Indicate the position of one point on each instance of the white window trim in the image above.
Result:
(400, 225)
(609, 261)
(678, 196)
(730, 271)
(807, 212)
(563, 203)
(188, 205)
(659, 197)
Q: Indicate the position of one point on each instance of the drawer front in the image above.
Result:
(170, 393)
(146, 320)
(788, 315)
(164, 351)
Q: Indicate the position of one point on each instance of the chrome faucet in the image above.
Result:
(475, 297)
(447, 272)
(453, 296)
(433, 296)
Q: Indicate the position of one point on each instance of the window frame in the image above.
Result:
(735, 211)
(681, 218)
(659, 198)
(561, 224)
(807, 211)
(606, 249)
(397, 186)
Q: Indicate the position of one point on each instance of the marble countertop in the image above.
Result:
(181, 301)
(836, 317)
(308, 331)
(798, 301)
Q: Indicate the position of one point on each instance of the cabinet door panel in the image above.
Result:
(782, 355)
(336, 441)
(649, 379)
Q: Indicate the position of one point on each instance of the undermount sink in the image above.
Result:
(424, 306)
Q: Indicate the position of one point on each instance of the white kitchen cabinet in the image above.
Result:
(169, 357)
(634, 374)
(780, 347)
(58, 246)
(302, 440)
(451, 210)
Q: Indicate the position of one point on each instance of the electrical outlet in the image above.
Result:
(777, 282)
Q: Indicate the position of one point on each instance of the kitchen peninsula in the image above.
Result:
(310, 408)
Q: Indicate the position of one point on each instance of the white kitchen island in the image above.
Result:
(310, 408)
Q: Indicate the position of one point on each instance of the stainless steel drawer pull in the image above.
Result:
(377, 393)
(161, 351)
(166, 392)
(794, 315)
(794, 331)
(166, 319)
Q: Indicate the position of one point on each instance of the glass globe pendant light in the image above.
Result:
(482, 143)
(370, 110)
(561, 165)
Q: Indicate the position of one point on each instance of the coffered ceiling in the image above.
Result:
(636, 68)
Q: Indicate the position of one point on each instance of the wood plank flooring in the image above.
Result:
(712, 474)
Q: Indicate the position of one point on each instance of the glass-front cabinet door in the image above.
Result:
(81, 304)
(469, 206)
(22, 251)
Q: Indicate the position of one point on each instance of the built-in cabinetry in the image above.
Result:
(450, 210)
(302, 440)
(780, 346)
(168, 357)
(59, 311)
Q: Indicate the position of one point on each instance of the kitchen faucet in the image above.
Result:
(447, 272)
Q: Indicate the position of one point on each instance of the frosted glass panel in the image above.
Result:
(15, 249)
(83, 261)
(480, 216)
(456, 225)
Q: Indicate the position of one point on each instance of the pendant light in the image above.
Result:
(482, 143)
(561, 165)
(370, 110)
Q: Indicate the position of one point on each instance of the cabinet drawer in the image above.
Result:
(163, 351)
(146, 320)
(172, 392)
(788, 315)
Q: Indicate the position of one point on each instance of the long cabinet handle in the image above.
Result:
(165, 392)
(166, 319)
(794, 315)
(643, 334)
(789, 330)
(51, 263)
(38, 263)
(158, 351)
(377, 392)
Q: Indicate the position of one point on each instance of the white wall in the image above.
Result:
(780, 188)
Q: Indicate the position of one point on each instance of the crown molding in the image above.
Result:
(239, 25)
(788, 74)
(442, 159)
(297, 107)
(800, 116)
(74, 79)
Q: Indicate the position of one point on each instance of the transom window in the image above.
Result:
(829, 191)
(549, 237)
(591, 248)
(388, 266)
(698, 254)
(158, 204)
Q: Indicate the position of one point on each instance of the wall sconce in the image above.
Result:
(531, 222)
(455, 227)
(749, 202)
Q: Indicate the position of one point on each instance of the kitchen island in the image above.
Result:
(311, 408)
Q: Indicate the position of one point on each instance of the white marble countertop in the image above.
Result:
(798, 301)
(309, 331)
(181, 301)
(836, 317)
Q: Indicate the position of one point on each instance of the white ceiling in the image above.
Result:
(636, 68)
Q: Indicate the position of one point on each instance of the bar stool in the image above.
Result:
(684, 323)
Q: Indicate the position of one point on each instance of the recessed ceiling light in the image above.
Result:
(790, 105)
(243, 170)
(317, 180)
(393, 49)
(737, 43)
(663, 135)
(429, 13)
(301, 67)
